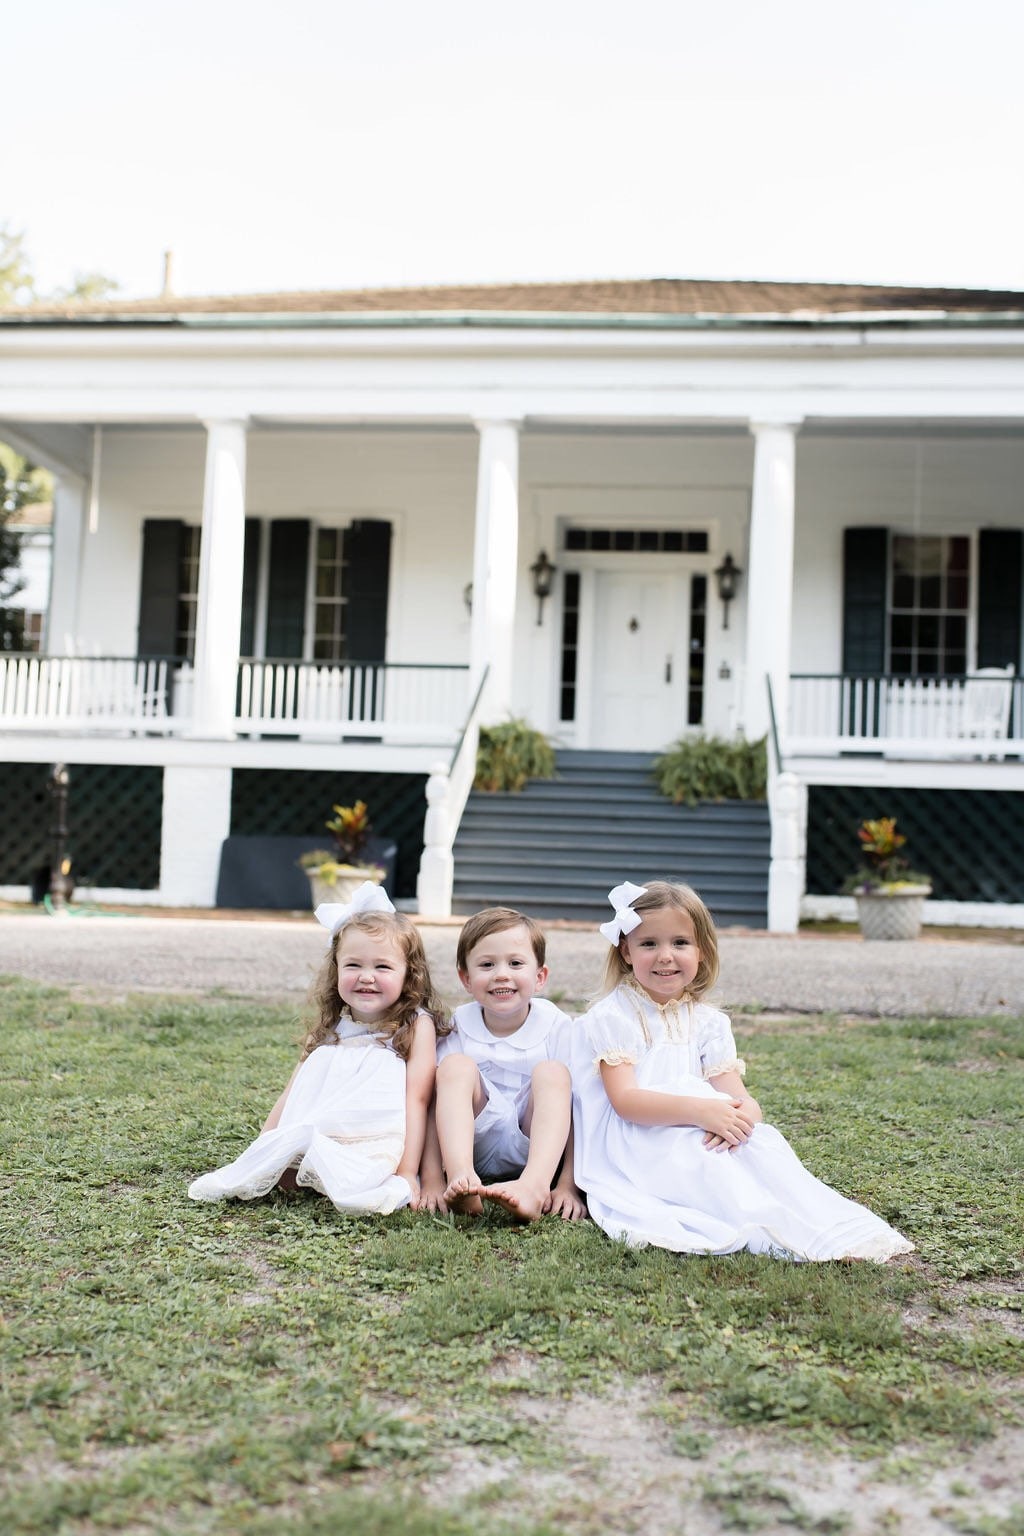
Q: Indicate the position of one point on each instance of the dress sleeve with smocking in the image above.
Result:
(715, 1043)
(613, 1034)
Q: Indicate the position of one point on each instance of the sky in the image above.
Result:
(330, 144)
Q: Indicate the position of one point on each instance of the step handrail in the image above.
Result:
(448, 790)
(773, 725)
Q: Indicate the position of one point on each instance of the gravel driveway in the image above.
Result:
(276, 957)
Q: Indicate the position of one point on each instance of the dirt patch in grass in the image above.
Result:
(619, 1466)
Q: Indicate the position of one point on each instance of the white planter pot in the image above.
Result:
(892, 914)
(344, 887)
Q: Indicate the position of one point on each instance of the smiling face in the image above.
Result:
(371, 973)
(662, 953)
(503, 976)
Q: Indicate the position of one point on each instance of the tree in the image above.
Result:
(22, 482)
(18, 285)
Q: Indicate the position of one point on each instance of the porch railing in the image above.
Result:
(395, 701)
(87, 693)
(103, 695)
(936, 717)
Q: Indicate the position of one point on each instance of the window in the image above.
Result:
(32, 638)
(698, 633)
(928, 605)
(330, 599)
(188, 594)
(570, 643)
(669, 541)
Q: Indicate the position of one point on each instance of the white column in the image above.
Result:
(495, 557)
(769, 607)
(219, 608)
(66, 562)
(196, 820)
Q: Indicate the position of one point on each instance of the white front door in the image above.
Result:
(638, 690)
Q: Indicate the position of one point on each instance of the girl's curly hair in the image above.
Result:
(682, 898)
(417, 988)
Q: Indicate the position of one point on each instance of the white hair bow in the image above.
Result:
(369, 897)
(625, 919)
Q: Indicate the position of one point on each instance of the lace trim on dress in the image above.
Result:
(677, 1027)
(612, 1058)
(736, 1065)
(352, 1141)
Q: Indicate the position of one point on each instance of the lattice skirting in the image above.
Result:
(970, 842)
(113, 818)
(267, 801)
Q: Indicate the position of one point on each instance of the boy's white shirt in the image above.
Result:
(508, 1061)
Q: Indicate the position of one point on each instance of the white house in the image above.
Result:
(298, 538)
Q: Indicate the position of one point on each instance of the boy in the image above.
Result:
(504, 1103)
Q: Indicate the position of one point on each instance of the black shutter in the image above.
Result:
(286, 587)
(159, 586)
(368, 558)
(250, 577)
(1000, 574)
(865, 572)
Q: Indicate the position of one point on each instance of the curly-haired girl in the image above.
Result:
(352, 1118)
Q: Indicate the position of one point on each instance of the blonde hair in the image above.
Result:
(417, 989)
(495, 920)
(658, 895)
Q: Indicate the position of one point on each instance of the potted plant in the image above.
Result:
(509, 754)
(335, 874)
(890, 895)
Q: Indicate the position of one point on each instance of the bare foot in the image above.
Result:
(522, 1199)
(463, 1194)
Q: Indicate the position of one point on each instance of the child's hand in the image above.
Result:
(728, 1123)
(567, 1202)
(432, 1199)
(413, 1181)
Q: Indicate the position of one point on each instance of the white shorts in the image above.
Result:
(500, 1145)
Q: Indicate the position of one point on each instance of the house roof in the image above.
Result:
(653, 297)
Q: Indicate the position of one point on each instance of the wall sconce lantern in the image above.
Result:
(543, 573)
(727, 577)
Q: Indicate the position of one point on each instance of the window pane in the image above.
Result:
(928, 632)
(902, 632)
(903, 591)
(956, 634)
(929, 593)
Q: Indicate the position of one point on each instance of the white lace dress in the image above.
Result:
(660, 1185)
(342, 1128)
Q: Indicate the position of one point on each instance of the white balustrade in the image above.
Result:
(88, 694)
(931, 717)
(394, 702)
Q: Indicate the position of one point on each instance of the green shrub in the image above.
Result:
(511, 753)
(710, 768)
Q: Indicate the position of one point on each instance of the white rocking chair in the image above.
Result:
(986, 710)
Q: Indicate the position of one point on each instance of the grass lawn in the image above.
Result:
(275, 1367)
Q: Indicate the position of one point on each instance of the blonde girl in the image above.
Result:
(658, 1091)
(352, 1118)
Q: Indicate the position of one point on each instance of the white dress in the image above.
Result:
(342, 1128)
(505, 1063)
(660, 1185)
